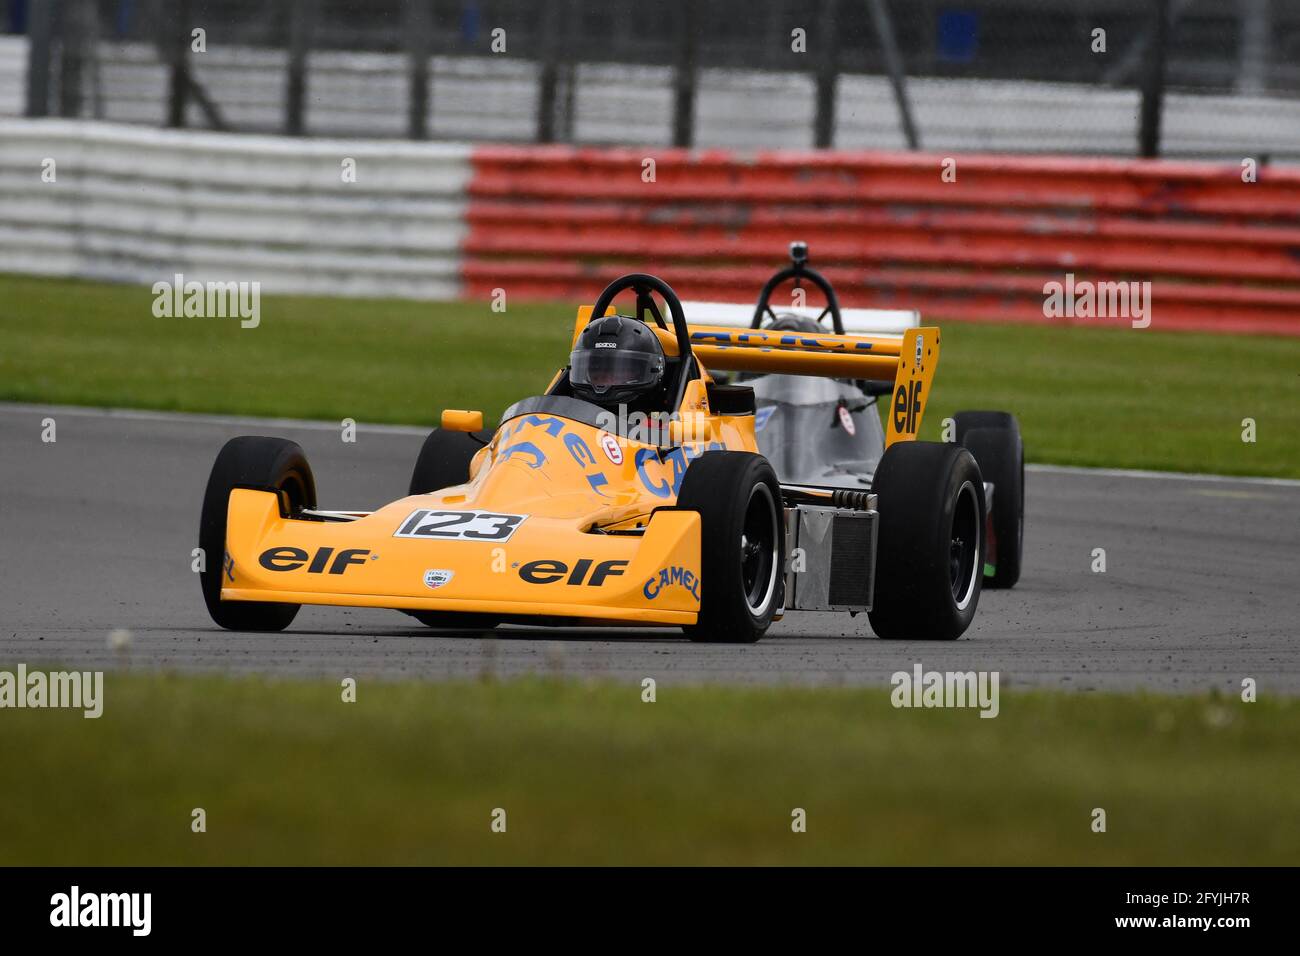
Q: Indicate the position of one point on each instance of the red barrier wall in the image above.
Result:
(1221, 254)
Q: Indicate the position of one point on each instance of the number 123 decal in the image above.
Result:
(459, 525)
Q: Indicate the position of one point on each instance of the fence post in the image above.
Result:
(300, 17)
(40, 30)
(1153, 82)
(684, 78)
(1254, 49)
(418, 28)
(894, 64)
(826, 54)
(76, 18)
(176, 43)
(548, 72)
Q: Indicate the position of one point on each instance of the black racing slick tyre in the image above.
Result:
(742, 545)
(1001, 456)
(964, 422)
(444, 460)
(930, 545)
(270, 464)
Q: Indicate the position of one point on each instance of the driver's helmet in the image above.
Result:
(617, 359)
(792, 322)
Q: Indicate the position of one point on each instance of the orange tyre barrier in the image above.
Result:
(1221, 254)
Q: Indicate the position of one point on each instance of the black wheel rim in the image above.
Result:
(964, 545)
(758, 543)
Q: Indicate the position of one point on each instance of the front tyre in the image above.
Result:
(271, 464)
(444, 459)
(930, 547)
(742, 545)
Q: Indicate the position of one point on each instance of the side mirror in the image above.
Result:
(692, 426)
(457, 420)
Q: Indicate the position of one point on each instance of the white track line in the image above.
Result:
(132, 414)
(1170, 475)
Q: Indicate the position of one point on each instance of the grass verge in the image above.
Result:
(1121, 398)
(411, 773)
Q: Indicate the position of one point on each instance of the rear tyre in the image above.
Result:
(1001, 456)
(930, 545)
(966, 422)
(742, 545)
(271, 464)
(444, 460)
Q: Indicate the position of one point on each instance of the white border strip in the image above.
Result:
(135, 414)
(1171, 475)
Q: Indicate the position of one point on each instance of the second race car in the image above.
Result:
(825, 431)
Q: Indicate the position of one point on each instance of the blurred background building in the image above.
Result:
(1183, 78)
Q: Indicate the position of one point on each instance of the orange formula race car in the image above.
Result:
(631, 492)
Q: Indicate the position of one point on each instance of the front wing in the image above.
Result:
(548, 567)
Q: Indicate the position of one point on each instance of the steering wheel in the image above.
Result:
(644, 285)
(798, 271)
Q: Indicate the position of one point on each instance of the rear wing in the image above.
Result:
(731, 314)
(907, 362)
(905, 359)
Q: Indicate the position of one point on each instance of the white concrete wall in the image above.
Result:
(136, 204)
(13, 75)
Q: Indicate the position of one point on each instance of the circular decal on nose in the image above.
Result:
(847, 421)
(609, 444)
(437, 577)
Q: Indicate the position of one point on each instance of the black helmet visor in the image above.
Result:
(602, 369)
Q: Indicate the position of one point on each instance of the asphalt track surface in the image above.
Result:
(1201, 588)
